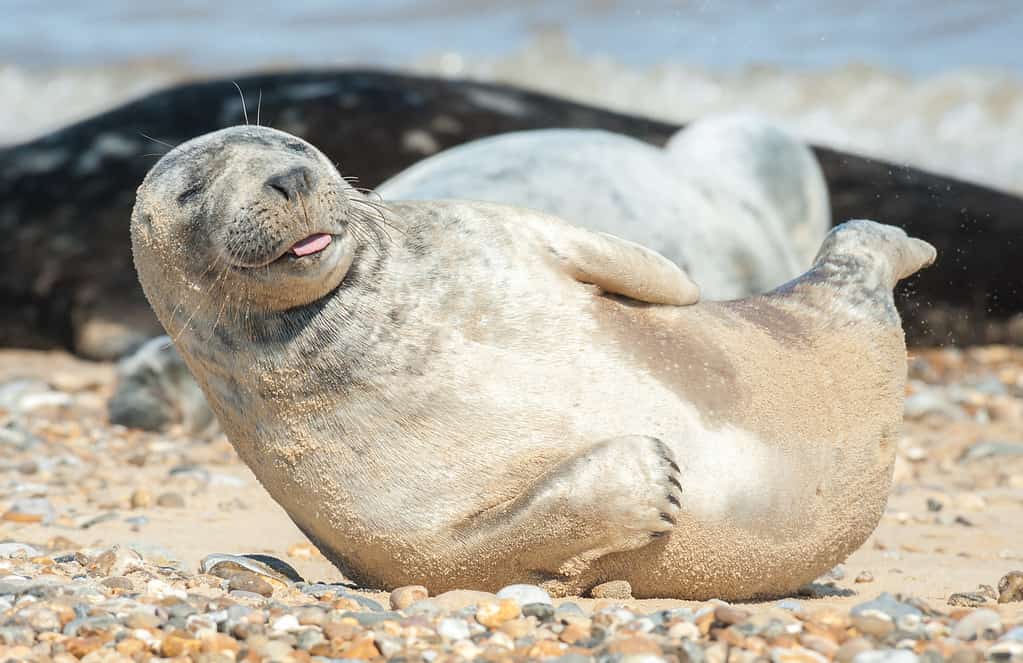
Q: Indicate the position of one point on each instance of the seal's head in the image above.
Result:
(248, 217)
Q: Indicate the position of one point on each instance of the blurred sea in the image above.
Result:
(934, 83)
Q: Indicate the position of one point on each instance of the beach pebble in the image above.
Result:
(525, 594)
(403, 597)
(246, 581)
(171, 500)
(15, 549)
(977, 624)
(886, 656)
(494, 613)
(453, 629)
(1010, 587)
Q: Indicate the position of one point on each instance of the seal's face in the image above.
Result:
(250, 216)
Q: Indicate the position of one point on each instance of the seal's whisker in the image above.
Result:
(305, 213)
(208, 269)
(380, 216)
(245, 111)
(259, 105)
(155, 140)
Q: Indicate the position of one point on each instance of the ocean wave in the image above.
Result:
(965, 123)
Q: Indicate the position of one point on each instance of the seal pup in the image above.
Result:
(741, 205)
(155, 391)
(469, 395)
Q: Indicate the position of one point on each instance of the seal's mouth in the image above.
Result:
(310, 245)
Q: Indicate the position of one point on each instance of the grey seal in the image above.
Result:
(740, 204)
(463, 394)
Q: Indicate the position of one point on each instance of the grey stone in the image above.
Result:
(453, 629)
(370, 619)
(14, 549)
(976, 624)
(991, 449)
(886, 656)
(525, 594)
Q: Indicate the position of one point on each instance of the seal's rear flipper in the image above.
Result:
(618, 265)
(873, 253)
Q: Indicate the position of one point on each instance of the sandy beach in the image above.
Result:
(72, 487)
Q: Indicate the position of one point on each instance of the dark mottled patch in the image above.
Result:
(194, 189)
(768, 314)
(682, 358)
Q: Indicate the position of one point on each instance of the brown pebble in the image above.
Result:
(964, 655)
(1010, 587)
(636, 644)
(573, 633)
(142, 619)
(517, 628)
(545, 649)
(81, 646)
(179, 645)
(403, 597)
(729, 615)
(141, 498)
(118, 582)
(616, 589)
(363, 648)
(864, 576)
(494, 613)
(219, 642)
(345, 630)
(171, 500)
(131, 647)
(819, 644)
(18, 517)
(850, 648)
(247, 581)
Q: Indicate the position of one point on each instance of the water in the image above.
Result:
(936, 83)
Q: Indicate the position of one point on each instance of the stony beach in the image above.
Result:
(117, 545)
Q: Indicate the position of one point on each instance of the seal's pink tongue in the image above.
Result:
(311, 244)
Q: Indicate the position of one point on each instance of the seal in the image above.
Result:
(741, 205)
(155, 391)
(466, 394)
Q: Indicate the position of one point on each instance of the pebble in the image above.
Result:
(453, 629)
(494, 613)
(171, 500)
(525, 594)
(14, 549)
(141, 498)
(616, 589)
(246, 581)
(864, 577)
(886, 656)
(403, 597)
(977, 624)
(1010, 587)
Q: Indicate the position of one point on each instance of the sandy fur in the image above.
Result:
(464, 409)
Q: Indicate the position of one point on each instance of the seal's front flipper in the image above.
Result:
(615, 496)
(619, 266)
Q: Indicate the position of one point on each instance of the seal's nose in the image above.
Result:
(292, 183)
